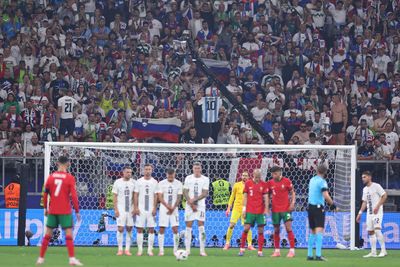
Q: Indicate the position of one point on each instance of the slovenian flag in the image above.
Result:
(164, 129)
(220, 68)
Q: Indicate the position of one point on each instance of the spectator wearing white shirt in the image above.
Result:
(233, 135)
(318, 15)
(318, 124)
(48, 59)
(259, 110)
(233, 87)
(292, 108)
(301, 36)
(272, 97)
(392, 138)
(29, 58)
(195, 24)
(382, 60)
(251, 46)
(382, 151)
(10, 61)
(368, 117)
(34, 149)
(313, 153)
(339, 13)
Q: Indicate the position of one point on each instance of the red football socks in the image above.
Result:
(277, 239)
(45, 244)
(260, 242)
(291, 239)
(243, 241)
(70, 246)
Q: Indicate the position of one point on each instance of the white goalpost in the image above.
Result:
(97, 165)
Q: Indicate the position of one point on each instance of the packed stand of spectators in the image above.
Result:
(310, 72)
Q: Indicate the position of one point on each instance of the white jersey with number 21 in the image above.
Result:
(67, 105)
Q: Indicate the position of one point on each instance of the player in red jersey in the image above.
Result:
(60, 187)
(279, 188)
(255, 197)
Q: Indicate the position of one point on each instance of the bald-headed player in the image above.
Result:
(255, 199)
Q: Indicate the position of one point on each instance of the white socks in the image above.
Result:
(381, 240)
(161, 242)
(120, 238)
(202, 238)
(128, 241)
(151, 242)
(140, 242)
(372, 241)
(188, 238)
(176, 242)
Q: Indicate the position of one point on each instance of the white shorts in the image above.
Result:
(145, 219)
(125, 219)
(199, 215)
(374, 221)
(166, 220)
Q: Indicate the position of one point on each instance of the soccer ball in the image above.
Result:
(181, 255)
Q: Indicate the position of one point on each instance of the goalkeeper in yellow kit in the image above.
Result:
(236, 199)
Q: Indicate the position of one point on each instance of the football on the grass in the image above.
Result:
(181, 255)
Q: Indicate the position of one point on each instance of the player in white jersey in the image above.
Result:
(195, 190)
(123, 190)
(65, 114)
(170, 196)
(373, 198)
(145, 208)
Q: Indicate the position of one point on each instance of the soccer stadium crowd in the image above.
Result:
(309, 71)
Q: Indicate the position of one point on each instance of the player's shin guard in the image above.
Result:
(128, 241)
(229, 233)
(70, 246)
(45, 244)
(161, 242)
(151, 242)
(381, 239)
(318, 244)
(176, 242)
(260, 242)
(277, 240)
(188, 238)
(372, 242)
(140, 242)
(291, 239)
(202, 236)
(120, 238)
(243, 240)
(311, 240)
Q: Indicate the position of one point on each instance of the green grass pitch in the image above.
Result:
(101, 256)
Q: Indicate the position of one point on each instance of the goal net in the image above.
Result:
(97, 165)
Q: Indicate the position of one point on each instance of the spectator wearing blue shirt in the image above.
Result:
(317, 195)
(205, 33)
(101, 32)
(11, 25)
(267, 124)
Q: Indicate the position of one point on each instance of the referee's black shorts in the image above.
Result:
(316, 216)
